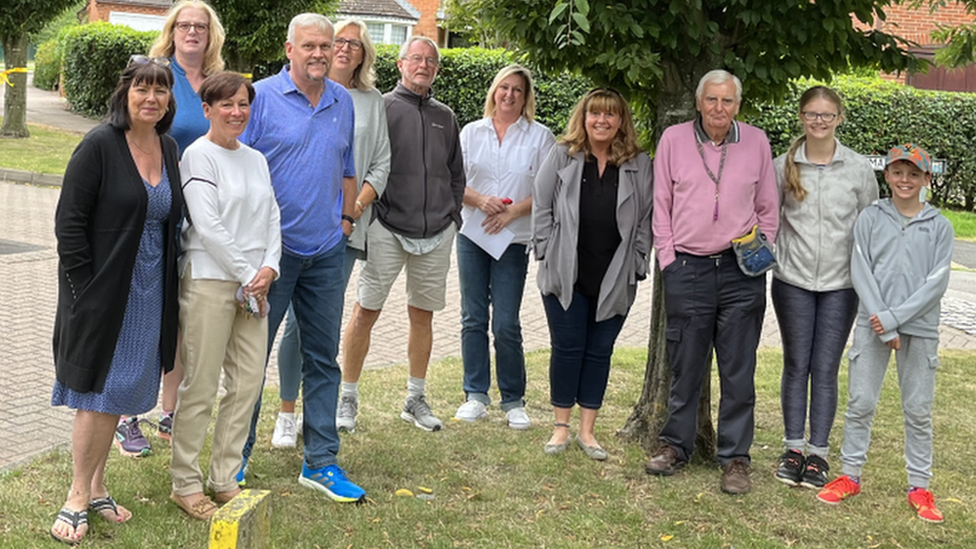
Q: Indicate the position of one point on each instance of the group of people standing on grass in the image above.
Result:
(206, 211)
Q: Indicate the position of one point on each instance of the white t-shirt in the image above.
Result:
(507, 170)
(234, 226)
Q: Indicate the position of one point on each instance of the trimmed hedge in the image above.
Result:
(47, 65)
(881, 114)
(94, 56)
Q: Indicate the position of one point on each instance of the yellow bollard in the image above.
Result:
(243, 523)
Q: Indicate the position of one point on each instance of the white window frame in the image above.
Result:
(137, 21)
(388, 24)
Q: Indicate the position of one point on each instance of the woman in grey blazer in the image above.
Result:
(591, 232)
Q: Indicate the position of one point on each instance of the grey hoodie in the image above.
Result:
(901, 271)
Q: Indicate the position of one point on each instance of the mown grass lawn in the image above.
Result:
(47, 150)
(493, 487)
(963, 223)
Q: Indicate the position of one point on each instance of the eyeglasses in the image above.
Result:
(201, 28)
(145, 60)
(354, 45)
(418, 59)
(811, 116)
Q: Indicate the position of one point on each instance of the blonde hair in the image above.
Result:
(793, 185)
(363, 76)
(165, 47)
(528, 109)
(624, 145)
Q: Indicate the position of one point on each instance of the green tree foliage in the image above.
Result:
(959, 41)
(256, 29)
(657, 50)
(18, 19)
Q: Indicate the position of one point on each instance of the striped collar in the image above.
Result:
(702, 136)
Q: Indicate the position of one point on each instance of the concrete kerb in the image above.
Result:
(32, 178)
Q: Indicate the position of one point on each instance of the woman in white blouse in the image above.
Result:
(502, 153)
(232, 244)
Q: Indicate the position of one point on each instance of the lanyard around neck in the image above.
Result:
(721, 168)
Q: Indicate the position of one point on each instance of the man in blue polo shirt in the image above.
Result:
(303, 124)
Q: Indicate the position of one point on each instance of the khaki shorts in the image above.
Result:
(426, 274)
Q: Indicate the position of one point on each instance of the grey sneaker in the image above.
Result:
(416, 410)
(346, 414)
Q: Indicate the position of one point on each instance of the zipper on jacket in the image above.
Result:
(423, 155)
(820, 225)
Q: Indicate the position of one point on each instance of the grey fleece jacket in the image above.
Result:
(426, 183)
(900, 272)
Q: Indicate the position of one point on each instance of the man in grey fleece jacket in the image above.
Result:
(900, 269)
(417, 218)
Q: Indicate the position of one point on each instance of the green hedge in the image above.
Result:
(47, 65)
(94, 56)
(881, 114)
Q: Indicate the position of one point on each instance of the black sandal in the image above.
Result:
(76, 519)
(106, 503)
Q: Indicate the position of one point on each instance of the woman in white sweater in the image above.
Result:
(232, 244)
(823, 186)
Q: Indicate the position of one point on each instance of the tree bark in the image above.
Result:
(676, 104)
(15, 95)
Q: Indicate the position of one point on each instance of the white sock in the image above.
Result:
(350, 389)
(288, 415)
(416, 386)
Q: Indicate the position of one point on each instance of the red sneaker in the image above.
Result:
(924, 504)
(839, 489)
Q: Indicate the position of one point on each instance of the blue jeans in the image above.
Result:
(579, 365)
(314, 287)
(290, 350)
(814, 327)
(497, 284)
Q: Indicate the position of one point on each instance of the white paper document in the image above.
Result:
(494, 244)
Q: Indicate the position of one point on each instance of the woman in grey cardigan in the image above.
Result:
(591, 232)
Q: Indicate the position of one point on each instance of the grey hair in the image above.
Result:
(316, 20)
(418, 38)
(719, 76)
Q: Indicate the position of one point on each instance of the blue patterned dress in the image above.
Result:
(132, 385)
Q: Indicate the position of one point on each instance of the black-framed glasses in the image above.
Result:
(145, 60)
(185, 26)
(418, 59)
(811, 116)
(354, 45)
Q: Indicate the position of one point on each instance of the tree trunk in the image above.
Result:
(15, 93)
(676, 104)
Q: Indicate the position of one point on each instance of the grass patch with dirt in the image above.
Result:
(47, 150)
(494, 487)
(963, 223)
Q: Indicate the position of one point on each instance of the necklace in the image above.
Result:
(721, 168)
(132, 142)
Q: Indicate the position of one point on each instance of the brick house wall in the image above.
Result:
(427, 26)
(99, 11)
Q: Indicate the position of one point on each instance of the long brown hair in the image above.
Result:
(793, 185)
(624, 145)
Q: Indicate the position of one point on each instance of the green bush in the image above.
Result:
(94, 56)
(881, 114)
(466, 74)
(47, 65)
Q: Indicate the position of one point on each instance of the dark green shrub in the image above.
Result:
(881, 114)
(94, 56)
(47, 65)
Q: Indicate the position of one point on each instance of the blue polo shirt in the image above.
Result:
(309, 151)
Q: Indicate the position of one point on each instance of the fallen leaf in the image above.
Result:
(679, 523)
(666, 537)
(403, 492)
(953, 500)
(425, 490)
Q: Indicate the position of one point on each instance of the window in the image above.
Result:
(383, 32)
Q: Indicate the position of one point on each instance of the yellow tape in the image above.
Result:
(4, 78)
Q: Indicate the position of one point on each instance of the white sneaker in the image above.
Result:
(299, 423)
(471, 411)
(518, 419)
(286, 432)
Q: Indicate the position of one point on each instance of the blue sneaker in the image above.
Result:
(332, 481)
(239, 477)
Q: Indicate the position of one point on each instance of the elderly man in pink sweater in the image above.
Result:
(714, 182)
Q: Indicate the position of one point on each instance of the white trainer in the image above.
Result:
(471, 411)
(518, 419)
(286, 431)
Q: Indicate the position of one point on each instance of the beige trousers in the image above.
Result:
(217, 335)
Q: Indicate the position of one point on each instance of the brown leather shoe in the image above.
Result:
(664, 462)
(201, 508)
(735, 478)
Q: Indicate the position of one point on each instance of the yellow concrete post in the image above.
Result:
(243, 523)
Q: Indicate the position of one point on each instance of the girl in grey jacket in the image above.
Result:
(823, 186)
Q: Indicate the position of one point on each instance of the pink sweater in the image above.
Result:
(684, 195)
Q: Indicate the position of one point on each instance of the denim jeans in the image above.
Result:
(289, 348)
(486, 283)
(579, 365)
(314, 287)
(814, 327)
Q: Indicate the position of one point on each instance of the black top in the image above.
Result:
(598, 232)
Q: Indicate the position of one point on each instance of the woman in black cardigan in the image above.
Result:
(115, 327)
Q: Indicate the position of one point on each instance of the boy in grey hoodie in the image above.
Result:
(900, 269)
